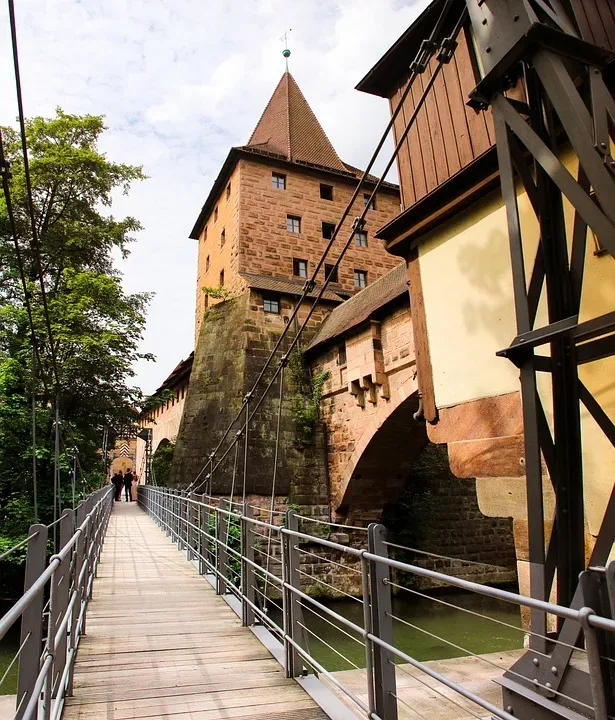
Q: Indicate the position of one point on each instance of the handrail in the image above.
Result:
(236, 565)
(46, 668)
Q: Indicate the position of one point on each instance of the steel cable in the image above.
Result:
(419, 64)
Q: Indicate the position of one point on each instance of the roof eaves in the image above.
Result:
(216, 189)
(396, 60)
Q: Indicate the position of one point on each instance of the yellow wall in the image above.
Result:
(469, 305)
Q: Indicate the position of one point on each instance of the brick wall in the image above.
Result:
(268, 249)
(353, 419)
(220, 257)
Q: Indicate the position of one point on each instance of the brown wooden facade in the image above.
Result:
(448, 136)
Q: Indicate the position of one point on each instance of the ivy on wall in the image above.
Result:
(305, 406)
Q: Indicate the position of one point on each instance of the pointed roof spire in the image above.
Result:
(288, 127)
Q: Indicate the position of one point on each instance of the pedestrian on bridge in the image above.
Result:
(117, 481)
(128, 478)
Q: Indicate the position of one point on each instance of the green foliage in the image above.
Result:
(218, 293)
(305, 406)
(161, 462)
(97, 327)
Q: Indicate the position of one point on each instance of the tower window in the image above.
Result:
(341, 354)
(221, 283)
(215, 214)
(360, 278)
(222, 237)
(205, 234)
(331, 273)
(300, 268)
(327, 230)
(228, 192)
(278, 181)
(271, 304)
(360, 238)
(370, 205)
(207, 264)
(326, 192)
(293, 224)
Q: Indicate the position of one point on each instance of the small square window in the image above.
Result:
(221, 283)
(331, 273)
(278, 181)
(326, 192)
(215, 214)
(206, 301)
(293, 224)
(271, 304)
(366, 202)
(360, 238)
(228, 192)
(341, 354)
(360, 278)
(327, 230)
(222, 237)
(300, 268)
(207, 264)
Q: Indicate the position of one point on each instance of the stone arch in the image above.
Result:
(374, 474)
(161, 444)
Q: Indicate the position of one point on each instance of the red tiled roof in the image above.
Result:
(360, 307)
(288, 127)
(288, 286)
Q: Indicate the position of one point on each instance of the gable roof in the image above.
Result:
(289, 286)
(288, 132)
(361, 306)
(288, 127)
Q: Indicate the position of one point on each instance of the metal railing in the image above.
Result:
(259, 563)
(53, 607)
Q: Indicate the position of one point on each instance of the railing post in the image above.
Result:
(199, 536)
(247, 571)
(382, 626)
(221, 552)
(79, 589)
(61, 579)
(291, 607)
(31, 619)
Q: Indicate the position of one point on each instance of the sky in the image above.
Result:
(179, 83)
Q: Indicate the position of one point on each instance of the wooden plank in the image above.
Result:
(404, 167)
(425, 140)
(421, 340)
(435, 128)
(449, 140)
(458, 113)
(161, 644)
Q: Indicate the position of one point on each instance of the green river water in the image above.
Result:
(476, 634)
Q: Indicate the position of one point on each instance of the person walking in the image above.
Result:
(117, 481)
(128, 485)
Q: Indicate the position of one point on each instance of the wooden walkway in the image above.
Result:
(161, 644)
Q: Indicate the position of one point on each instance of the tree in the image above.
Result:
(96, 326)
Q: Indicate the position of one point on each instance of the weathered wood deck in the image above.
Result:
(161, 644)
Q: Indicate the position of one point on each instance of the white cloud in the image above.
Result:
(180, 83)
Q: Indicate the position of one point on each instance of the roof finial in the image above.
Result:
(286, 51)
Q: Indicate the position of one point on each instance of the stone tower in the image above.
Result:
(260, 234)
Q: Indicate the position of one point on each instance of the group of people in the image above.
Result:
(125, 481)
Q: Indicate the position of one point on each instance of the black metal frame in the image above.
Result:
(567, 106)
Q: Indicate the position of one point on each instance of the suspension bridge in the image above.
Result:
(189, 607)
(118, 623)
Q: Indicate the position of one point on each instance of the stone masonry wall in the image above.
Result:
(267, 248)
(221, 257)
(235, 339)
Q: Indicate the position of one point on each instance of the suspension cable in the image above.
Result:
(447, 48)
(424, 54)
